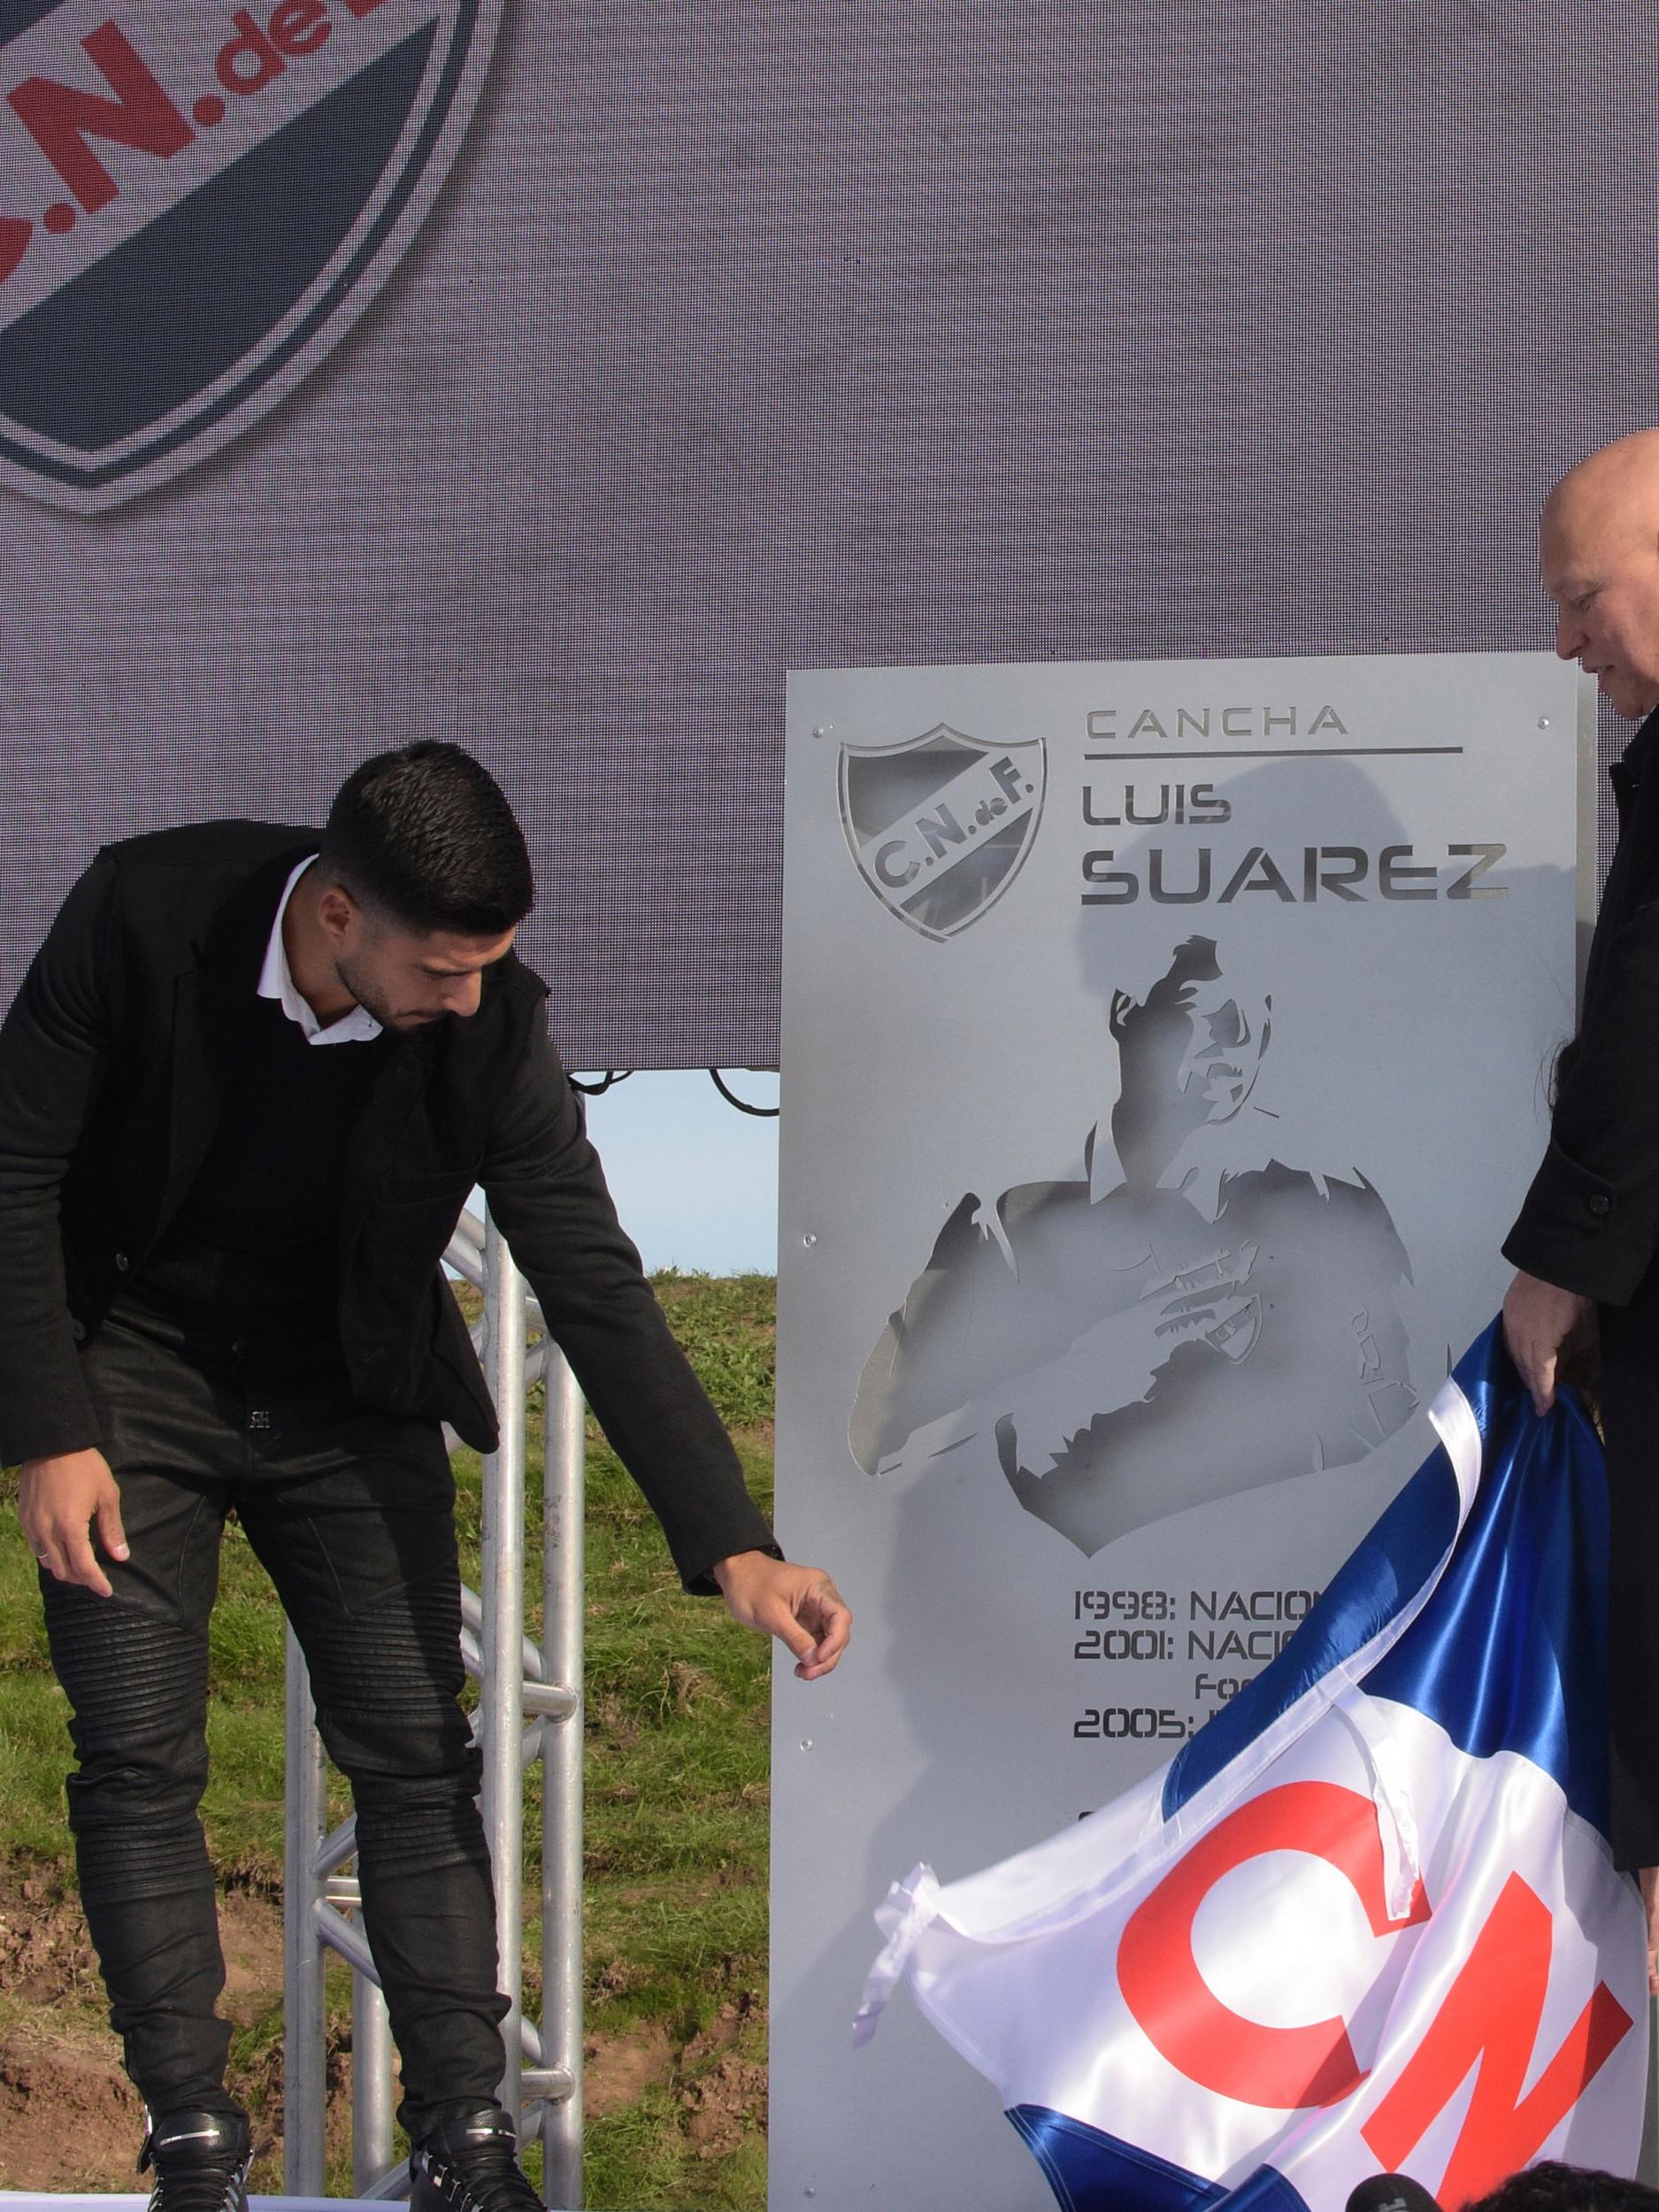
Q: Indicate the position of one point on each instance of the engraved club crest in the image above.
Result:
(196, 203)
(940, 825)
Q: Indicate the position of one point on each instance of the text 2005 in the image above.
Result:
(1143, 1723)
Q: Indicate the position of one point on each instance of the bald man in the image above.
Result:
(1587, 1240)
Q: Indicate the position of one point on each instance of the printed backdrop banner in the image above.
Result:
(1166, 1052)
(556, 377)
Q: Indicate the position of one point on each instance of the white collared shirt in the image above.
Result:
(276, 981)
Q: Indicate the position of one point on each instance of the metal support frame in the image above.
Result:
(529, 1709)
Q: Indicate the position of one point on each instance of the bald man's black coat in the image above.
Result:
(1591, 1224)
(1591, 1220)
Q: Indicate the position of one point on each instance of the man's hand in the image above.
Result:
(58, 1501)
(799, 1605)
(1538, 1319)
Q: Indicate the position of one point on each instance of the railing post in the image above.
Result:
(501, 1700)
(371, 2086)
(303, 2022)
(563, 1589)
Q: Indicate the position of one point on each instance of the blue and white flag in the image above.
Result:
(1368, 1918)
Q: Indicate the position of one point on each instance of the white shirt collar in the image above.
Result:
(277, 981)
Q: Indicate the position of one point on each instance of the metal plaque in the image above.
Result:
(1147, 1141)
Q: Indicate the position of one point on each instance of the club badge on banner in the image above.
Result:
(196, 206)
(1166, 1049)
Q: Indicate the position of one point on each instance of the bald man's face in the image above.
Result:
(1601, 566)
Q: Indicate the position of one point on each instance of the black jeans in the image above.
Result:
(351, 1512)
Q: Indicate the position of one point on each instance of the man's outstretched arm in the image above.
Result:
(547, 1192)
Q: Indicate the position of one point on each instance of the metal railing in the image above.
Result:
(529, 1709)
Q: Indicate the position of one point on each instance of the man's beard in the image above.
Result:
(370, 1000)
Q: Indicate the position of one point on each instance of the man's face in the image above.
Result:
(1602, 573)
(407, 978)
(1225, 1056)
(1188, 1054)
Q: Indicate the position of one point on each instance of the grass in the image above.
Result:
(677, 1788)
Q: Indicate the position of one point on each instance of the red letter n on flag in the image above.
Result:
(1491, 2019)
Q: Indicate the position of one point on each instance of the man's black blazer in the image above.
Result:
(113, 1062)
(1591, 1220)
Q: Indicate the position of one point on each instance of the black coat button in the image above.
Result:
(1601, 1204)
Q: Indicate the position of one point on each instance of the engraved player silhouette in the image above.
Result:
(1217, 1320)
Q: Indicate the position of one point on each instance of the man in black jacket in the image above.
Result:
(247, 1085)
(1588, 1239)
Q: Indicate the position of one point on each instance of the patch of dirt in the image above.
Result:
(619, 2068)
(726, 2028)
(251, 1936)
(69, 2117)
(46, 1955)
(725, 2101)
(615, 1977)
(725, 2106)
(258, 2087)
(718, 2079)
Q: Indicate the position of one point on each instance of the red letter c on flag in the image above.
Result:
(1284, 2069)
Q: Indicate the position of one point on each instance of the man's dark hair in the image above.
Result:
(1551, 2187)
(425, 834)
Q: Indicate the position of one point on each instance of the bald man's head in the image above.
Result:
(1598, 554)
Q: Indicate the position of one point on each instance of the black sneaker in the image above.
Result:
(470, 2163)
(200, 2161)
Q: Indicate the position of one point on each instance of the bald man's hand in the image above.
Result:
(1538, 1319)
